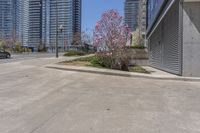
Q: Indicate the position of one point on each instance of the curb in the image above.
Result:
(90, 71)
(120, 73)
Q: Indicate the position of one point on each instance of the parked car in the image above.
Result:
(4, 54)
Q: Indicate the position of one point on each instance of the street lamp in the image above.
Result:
(61, 30)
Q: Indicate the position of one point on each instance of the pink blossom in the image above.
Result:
(110, 32)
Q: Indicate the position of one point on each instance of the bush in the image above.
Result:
(95, 60)
(105, 60)
(112, 62)
(137, 47)
(2, 44)
(121, 62)
(18, 48)
(74, 53)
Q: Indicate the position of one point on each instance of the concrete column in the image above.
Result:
(191, 38)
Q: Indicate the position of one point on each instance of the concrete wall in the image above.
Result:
(191, 38)
(138, 57)
(140, 62)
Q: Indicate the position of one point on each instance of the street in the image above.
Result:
(25, 56)
(36, 99)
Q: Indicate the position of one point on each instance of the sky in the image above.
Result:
(92, 10)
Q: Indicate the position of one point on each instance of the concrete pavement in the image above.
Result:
(36, 99)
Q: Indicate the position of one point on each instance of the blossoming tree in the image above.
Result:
(110, 38)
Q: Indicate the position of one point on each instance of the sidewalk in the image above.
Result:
(155, 73)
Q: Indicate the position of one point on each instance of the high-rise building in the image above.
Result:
(35, 27)
(18, 17)
(131, 13)
(77, 5)
(45, 22)
(22, 21)
(69, 17)
(14, 20)
(33, 22)
(7, 19)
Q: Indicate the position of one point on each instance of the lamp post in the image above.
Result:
(56, 28)
(61, 30)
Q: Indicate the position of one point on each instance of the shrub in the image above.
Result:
(2, 44)
(74, 53)
(18, 48)
(96, 60)
(109, 61)
(137, 47)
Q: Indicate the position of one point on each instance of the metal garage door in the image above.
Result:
(155, 48)
(165, 48)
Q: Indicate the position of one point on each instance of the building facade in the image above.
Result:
(131, 8)
(38, 24)
(22, 17)
(173, 33)
(8, 19)
(45, 22)
(35, 27)
(77, 7)
(33, 22)
(68, 13)
(14, 21)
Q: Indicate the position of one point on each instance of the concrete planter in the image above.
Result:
(138, 57)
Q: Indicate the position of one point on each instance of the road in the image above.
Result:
(36, 99)
(28, 56)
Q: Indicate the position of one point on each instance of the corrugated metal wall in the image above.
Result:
(165, 48)
(155, 48)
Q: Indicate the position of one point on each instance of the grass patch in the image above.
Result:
(76, 63)
(84, 61)
(74, 53)
(94, 61)
(137, 47)
(138, 69)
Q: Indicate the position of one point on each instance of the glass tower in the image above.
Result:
(131, 13)
(35, 27)
(45, 22)
(38, 28)
(33, 22)
(77, 5)
(22, 21)
(7, 19)
(69, 16)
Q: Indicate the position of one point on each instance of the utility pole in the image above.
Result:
(56, 28)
